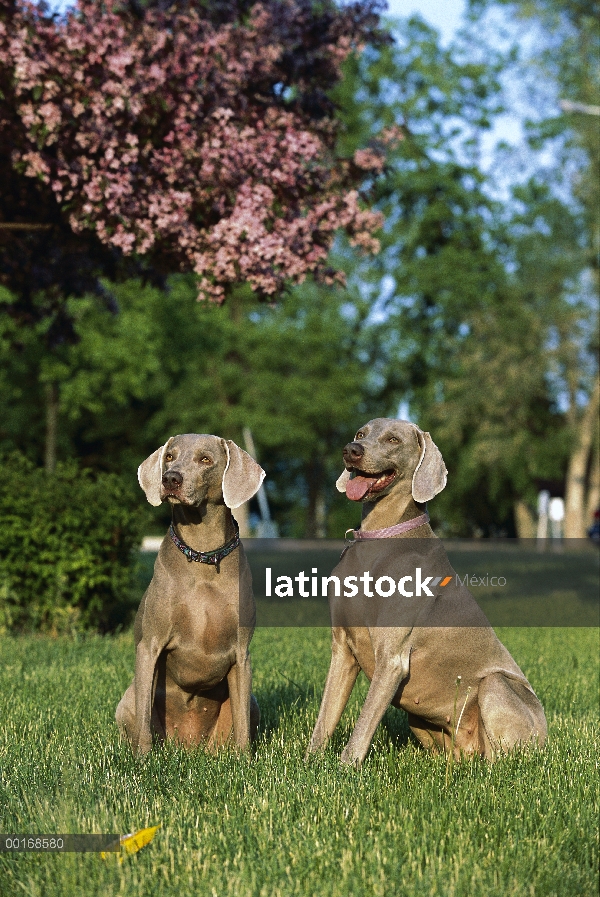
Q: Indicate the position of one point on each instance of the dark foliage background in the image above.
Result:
(67, 548)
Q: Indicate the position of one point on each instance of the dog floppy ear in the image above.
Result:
(150, 474)
(342, 481)
(242, 477)
(430, 473)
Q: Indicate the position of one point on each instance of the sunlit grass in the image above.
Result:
(272, 824)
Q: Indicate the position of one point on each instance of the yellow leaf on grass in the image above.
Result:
(134, 841)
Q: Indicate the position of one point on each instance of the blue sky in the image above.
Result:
(445, 15)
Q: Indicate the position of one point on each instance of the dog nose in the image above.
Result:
(172, 479)
(353, 452)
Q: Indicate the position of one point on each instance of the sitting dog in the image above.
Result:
(428, 650)
(192, 668)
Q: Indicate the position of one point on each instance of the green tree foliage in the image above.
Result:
(558, 253)
(111, 378)
(308, 372)
(469, 341)
(473, 313)
(564, 54)
(300, 375)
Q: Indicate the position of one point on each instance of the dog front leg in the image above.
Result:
(387, 676)
(343, 672)
(239, 681)
(146, 656)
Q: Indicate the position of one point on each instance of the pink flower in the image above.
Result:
(157, 133)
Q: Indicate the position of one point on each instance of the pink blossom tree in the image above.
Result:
(198, 137)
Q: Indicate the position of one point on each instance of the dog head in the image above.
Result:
(388, 455)
(192, 469)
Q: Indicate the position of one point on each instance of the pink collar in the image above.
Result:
(389, 531)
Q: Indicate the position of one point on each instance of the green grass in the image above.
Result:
(271, 824)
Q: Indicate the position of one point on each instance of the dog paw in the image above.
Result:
(141, 747)
(349, 759)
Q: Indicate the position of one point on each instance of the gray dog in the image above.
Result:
(192, 668)
(433, 655)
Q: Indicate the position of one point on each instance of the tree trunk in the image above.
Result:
(593, 499)
(575, 495)
(316, 512)
(525, 523)
(321, 516)
(52, 400)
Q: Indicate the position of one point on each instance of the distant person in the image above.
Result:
(542, 508)
(556, 513)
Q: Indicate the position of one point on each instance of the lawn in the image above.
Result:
(271, 824)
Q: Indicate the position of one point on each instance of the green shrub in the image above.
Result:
(67, 544)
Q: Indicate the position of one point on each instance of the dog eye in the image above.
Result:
(393, 439)
(205, 460)
(360, 435)
(168, 457)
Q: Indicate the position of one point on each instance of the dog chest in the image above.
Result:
(193, 668)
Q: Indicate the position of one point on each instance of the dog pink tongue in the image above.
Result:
(357, 487)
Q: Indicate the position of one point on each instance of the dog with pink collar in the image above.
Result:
(429, 651)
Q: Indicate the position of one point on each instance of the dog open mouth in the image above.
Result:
(365, 484)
